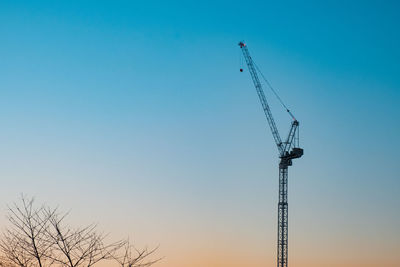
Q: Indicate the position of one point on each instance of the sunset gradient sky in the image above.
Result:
(134, 115)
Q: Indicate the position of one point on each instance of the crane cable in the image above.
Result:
(273, 90)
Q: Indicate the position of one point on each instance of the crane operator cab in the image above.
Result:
(286, 160)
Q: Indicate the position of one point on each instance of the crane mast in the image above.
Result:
(288, 150)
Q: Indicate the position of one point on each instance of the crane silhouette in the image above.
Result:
(288, 150)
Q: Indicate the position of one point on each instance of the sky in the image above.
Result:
(134, 115)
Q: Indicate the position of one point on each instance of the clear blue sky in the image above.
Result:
(134, 114)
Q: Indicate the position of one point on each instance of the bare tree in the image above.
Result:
(25, 244)
(132, 257)
(78, 247)
(39, 237)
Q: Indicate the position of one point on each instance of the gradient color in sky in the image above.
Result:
(134, 115)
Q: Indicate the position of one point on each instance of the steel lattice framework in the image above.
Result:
(283, 218)
(288, 150)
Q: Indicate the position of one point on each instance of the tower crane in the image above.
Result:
(288, 150)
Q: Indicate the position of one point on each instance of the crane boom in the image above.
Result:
(288, 151)
(262, 97)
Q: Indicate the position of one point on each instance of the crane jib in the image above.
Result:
(283, 147)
